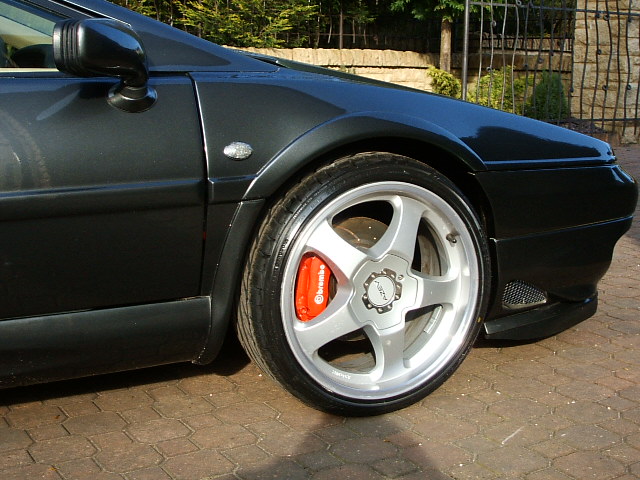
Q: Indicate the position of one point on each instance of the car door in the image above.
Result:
(98, 207)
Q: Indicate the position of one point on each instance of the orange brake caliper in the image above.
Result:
(312, 288)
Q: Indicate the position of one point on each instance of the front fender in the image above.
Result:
(348, 129)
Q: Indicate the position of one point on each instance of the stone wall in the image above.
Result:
(403, 68)
(408, 68)
(606, 74)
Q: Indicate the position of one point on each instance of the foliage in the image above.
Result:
(549, 101)
(444, 83)
(421, 9)
(239, 23)
(501, 89)
(542, 98)
(246, 23)
(281, 23)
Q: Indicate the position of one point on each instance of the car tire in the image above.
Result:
(404, 268)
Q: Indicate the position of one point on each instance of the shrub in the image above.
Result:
(548, 101)
(444, 83)
(502, 90)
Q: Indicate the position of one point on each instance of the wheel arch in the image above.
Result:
(375, 132)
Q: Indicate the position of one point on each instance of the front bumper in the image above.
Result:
(559, 245)
(540, 322)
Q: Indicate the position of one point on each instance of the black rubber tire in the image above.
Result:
(259, 318)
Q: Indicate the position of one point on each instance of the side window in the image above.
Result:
(25, 36)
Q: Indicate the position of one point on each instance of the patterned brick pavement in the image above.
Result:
(567, 407)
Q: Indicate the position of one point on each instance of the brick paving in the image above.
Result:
(567, 407)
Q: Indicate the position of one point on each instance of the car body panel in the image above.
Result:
(75, 344)
(532, 202)
(99, 207)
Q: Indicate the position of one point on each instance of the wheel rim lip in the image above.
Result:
(463, 318)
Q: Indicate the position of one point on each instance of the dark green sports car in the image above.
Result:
(156, 189)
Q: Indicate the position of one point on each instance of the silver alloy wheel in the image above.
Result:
(412, 316)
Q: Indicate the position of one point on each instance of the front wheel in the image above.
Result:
(365, 286)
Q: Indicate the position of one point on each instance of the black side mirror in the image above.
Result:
(102, 47)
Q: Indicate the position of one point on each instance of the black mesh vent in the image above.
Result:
(518, 294)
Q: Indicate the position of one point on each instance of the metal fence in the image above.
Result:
(571, 62)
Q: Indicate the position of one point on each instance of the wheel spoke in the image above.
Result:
(400, 236)
(341, 256)
(389, 347)
(438, 290)
(336, 321)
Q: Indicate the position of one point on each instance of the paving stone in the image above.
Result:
(581, 390)
(513, 461)
(13, 438)
(266, 389)
(202, 385)
(318, 460)
(246, 413)
(553, 448)
(15, 458)
(473, 471)
(589, 465)
(380, 426)
(225, 398)
(246, 455)
(520, 408)
(349, 472)
(204, 463)
(586, 412)
(42, 472)
(175, 447)
(290, 443)
(625, 454)
(183, 407)
(153, 473)
(448, 427)
(437, 455)
(273, 469)
(335, 433)
(394, 467)
(223, 436)
(633, 440)
(32, 416)
(363, 450)
(158, 430)
(119, 400)
(547, 474)
(125, 458)
(61, 449)
(589, 437)
(478, 443)
(45, 432)
(77, 409)
(456, 405)
(79, 468)
(95, 424)
(139, 415)
(516, 433)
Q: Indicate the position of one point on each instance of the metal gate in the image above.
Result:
(572, 62)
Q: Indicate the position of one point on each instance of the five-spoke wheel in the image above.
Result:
(366, 285)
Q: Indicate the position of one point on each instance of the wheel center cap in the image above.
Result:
(381, 290)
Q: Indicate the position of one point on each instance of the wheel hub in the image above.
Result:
(381, 290)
